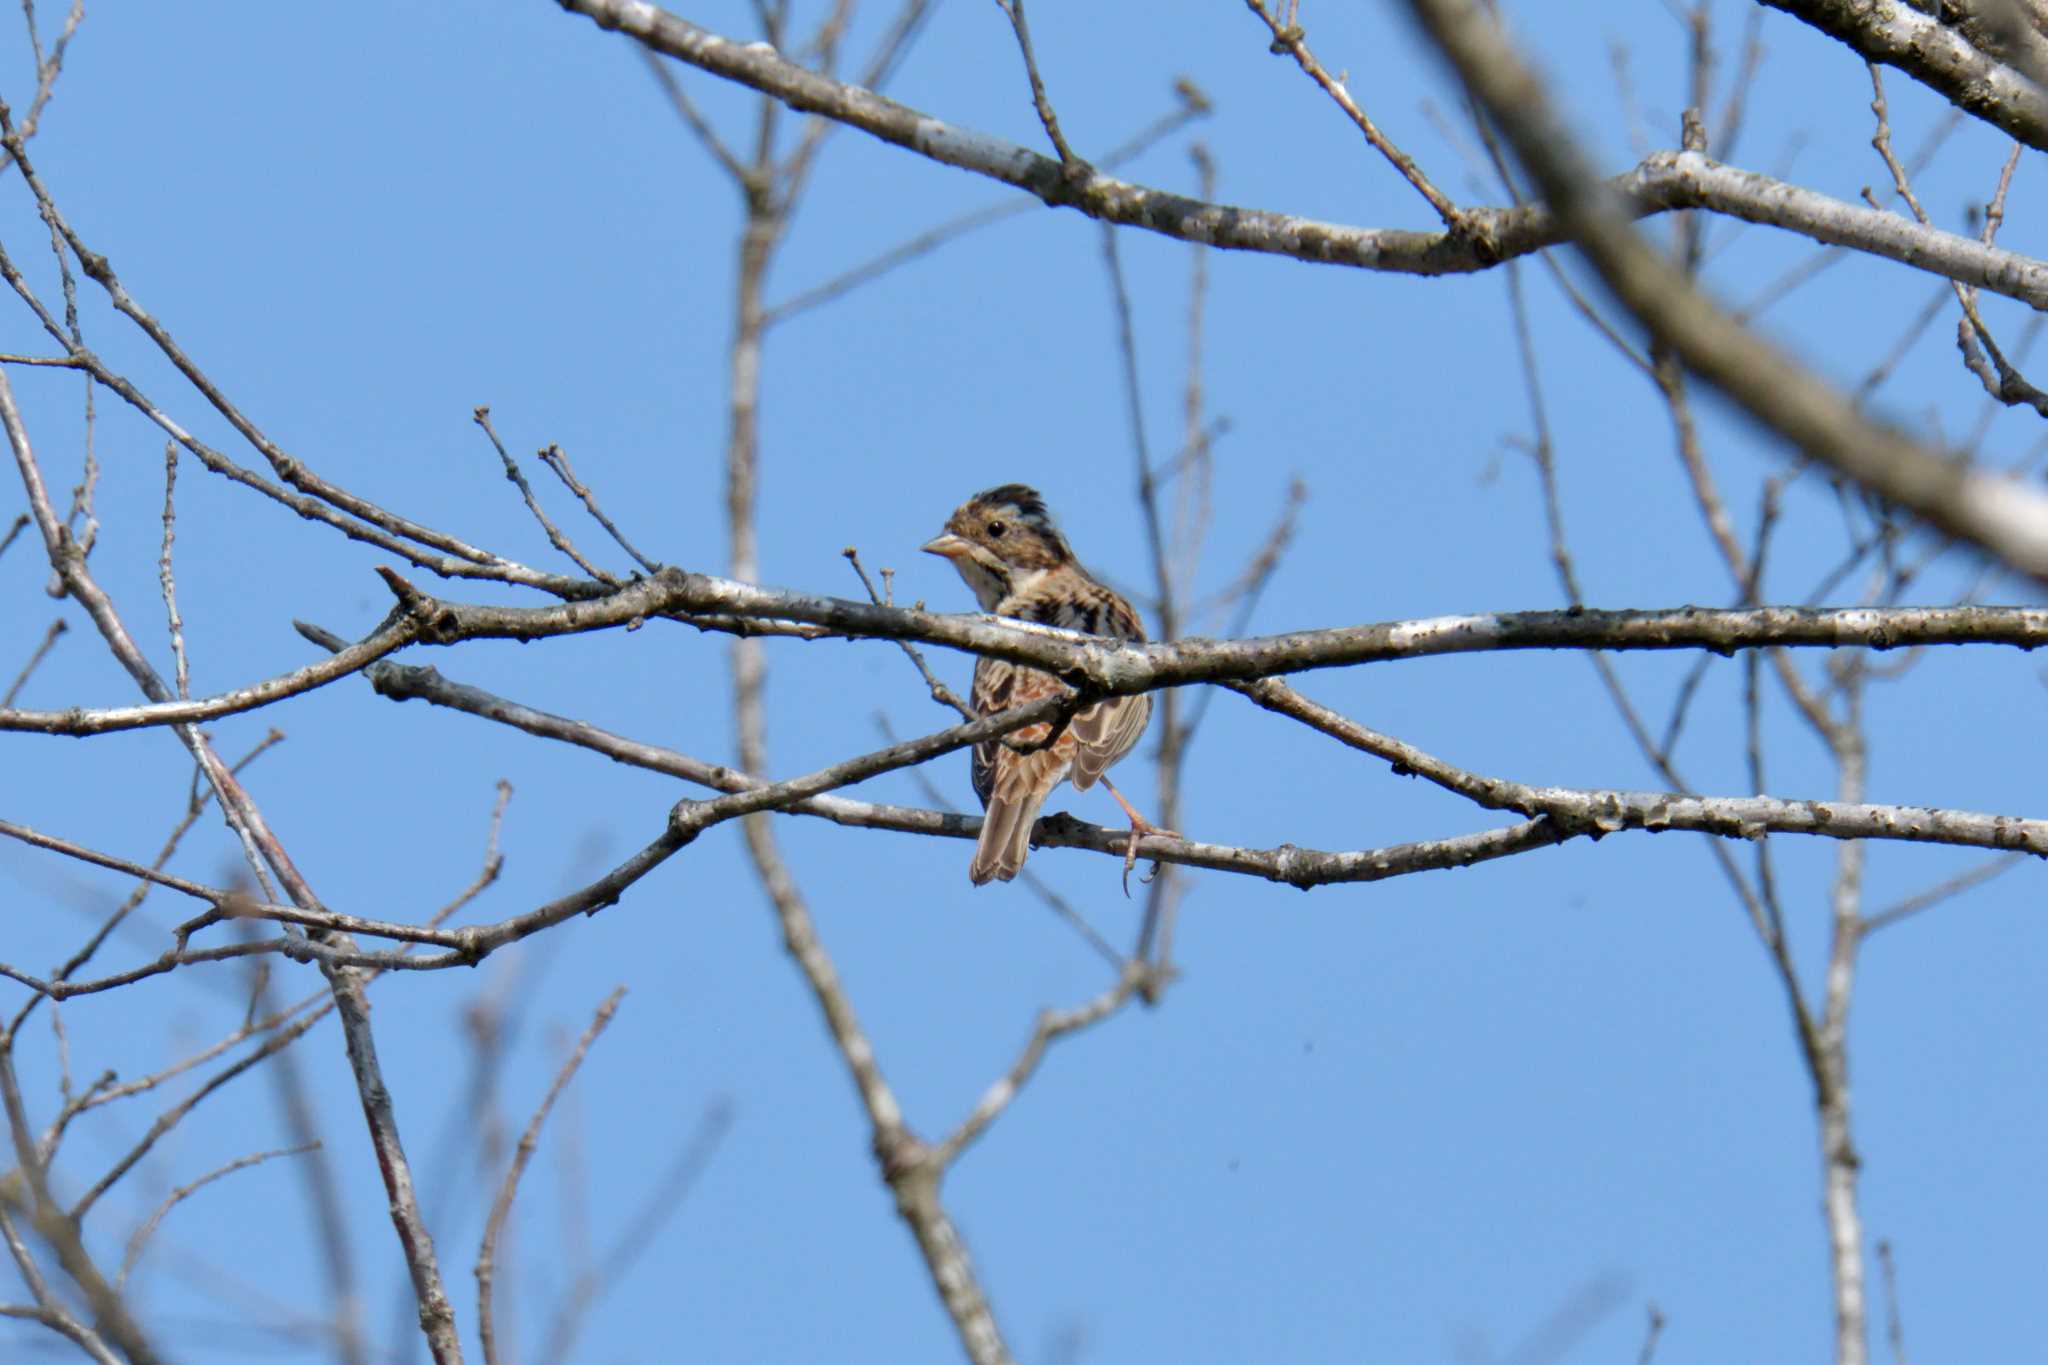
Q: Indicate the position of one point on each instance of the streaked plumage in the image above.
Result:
(1006, 547)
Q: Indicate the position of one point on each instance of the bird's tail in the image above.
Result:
(1005, 837)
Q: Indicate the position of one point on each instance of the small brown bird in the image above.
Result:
(1006, 547)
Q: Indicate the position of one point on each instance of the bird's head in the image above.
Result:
(1000, 540)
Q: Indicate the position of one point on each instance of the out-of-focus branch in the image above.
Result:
(149, 1225)
(667, 1196)
(1160, 901)
(1934, 895)
(49, 1309)
(896, 1148)
(1663, 182)
(61, 1229)
(2006, 519)
(501, 1207)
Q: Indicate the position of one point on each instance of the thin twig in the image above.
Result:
(1052, 1025)
(1288, 38)
(57, 627)
(1894, 1330)
(1014, 9)
(316, 498)
(890, 50)
(1166, 599)
(195, 804)
(666, 1198)
(482, 417)
(1945, 890)
(1567, 576)
(1653, 1330)
(493, 864)
(501, 1207)
(1194, 104)
(1031, 881)
(942, 694)
(110, 1092)
(555, 458)
(1664, 182)
(149, 1225)
(395, 634)
(2007, 385)
(48, 68)
(49, 1309)
(686, 109)
(61, 1229)
(266, 857)
(165, 577)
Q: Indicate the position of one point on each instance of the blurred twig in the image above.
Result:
(501, 1208)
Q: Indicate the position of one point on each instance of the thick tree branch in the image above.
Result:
(1936, 55)
(1663, 182)
(1112, 669)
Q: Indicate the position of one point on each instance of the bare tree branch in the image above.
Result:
(1938, 56)
(2006, 519)
(1110, 668)
(78, 721)
(1289, 38)
(264, 852)
(1665, 181)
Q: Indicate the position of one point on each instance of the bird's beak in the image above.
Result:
(947, 546)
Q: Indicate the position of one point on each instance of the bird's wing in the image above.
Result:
(1104, 733)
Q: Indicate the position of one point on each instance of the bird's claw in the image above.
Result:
(1140, 830)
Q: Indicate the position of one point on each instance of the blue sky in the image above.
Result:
(1482, 1116)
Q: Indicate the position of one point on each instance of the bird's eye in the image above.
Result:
(996, 529)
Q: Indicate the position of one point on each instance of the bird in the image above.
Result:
(1012, 556)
